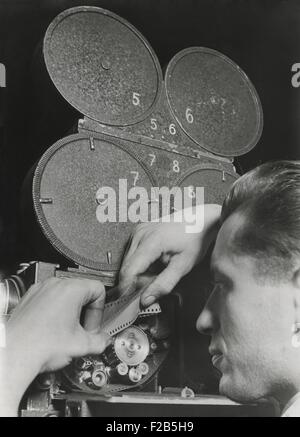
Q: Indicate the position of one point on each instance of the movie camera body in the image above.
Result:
(180, 130)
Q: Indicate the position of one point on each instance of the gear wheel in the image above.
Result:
(132, 346)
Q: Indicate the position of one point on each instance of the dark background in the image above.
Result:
(262, 36)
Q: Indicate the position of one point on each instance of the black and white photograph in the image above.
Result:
(150, 211)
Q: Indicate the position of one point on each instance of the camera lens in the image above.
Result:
(10, 294)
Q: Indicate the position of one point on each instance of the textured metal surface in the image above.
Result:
(216, 182)
(161, 125)
(214, 101)
(102, 65)
(65, 185)
(161, 158)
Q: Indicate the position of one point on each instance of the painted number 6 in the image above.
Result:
(172, 129)
(189, 115)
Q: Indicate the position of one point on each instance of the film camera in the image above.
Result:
(133, 125)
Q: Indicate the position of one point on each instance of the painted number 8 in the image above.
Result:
(176, 166)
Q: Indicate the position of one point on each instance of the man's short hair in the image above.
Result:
(268, 200)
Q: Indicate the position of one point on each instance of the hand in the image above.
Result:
(44, 332)
(178, 250)
(46, 322)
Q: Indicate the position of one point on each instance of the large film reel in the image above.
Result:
(66, 184)
(214, 101)
(102, 65)
(215, 181)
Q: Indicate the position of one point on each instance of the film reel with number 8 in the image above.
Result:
(214, 182)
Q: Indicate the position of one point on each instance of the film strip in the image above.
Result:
(123, 312)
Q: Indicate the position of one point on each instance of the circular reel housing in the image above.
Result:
(102, 65)
(214, 101)
(70, 208)
(215, 181)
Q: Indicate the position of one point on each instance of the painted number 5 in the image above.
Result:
(136, 99)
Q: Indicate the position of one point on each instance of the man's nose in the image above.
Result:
(206, 322)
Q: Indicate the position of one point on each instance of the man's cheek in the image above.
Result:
(234, 329)
(241, 345)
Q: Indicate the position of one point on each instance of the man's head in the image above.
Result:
(255, 304)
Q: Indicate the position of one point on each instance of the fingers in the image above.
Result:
(143, 281)
(139, 262)
(178, 267)
(86, 343)
(132, 244)
(93, 317)
(97, 343)
(92, 291)
(95, 299)
(89, 294)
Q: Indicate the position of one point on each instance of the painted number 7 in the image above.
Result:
(153, 158)
(136, 176)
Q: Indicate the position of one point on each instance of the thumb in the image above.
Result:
(97, 343)
(95, 309)
(164, 283)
